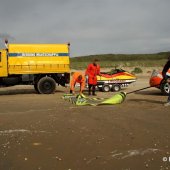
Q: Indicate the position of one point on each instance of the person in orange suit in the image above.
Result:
(92, 71)
(77, 77)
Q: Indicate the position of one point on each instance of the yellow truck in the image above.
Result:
(41, 65)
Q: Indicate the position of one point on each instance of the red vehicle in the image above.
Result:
(156, 81)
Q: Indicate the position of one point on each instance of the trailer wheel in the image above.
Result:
(106, 88)
(116, 87)
(46, 85)
(100, 88)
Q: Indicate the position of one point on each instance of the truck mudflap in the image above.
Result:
(62, 79)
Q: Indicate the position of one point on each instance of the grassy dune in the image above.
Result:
(122, 60)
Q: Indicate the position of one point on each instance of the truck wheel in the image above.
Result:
(106, 88)
(165, 88)
(36, 88)
(46, 85)
(100, 88)
(116, 87)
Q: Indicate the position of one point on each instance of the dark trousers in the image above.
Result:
(93, 88)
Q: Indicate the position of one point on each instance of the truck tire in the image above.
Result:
(46, 85)
(100, 88)
(116, 87)
(165, 88)
(106, 88)
(36, 88)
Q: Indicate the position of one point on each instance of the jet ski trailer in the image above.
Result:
(114, 80)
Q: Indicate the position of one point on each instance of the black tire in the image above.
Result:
(116, 87)
(100, 88)
(106, 88)
(165, 89)
(36, 88)
(46, 85)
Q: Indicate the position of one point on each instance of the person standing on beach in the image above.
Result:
(167, 79)
(92, 71)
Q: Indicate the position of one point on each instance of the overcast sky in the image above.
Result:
(91, 26)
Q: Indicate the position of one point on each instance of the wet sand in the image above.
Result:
(45, 132)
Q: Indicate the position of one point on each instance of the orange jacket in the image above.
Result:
(75, 80)
(92, 72)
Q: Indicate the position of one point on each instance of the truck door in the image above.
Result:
(3, 63)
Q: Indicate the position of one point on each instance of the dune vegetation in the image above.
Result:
(122, 60)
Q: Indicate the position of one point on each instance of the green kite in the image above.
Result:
(82, 100)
